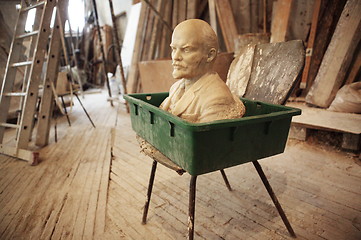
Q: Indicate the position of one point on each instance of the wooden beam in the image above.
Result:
(227, 23)
(133, 70)
(280, 19)
(213, 14)
(355, 68)
(329, 15)
(338, 56)
(310, 43)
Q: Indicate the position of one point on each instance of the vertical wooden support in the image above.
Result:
(46, 107)
(280, 19)
(329, 15)
(134, 71)
(27, 115)
(227, 23)
(213, 14)
(118, 51)
(102, 51)
(310, 43)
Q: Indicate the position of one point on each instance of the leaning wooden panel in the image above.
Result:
(337, 57)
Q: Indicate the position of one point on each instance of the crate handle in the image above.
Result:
(135, 109)
(267, 127)
(259, 105)
(233, 131)
(151, 117)
(171, 133)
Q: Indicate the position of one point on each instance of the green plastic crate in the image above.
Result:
(205, 147)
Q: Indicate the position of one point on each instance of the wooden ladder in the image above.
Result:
(39, 55)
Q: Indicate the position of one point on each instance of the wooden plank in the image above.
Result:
(213, 15)
(300, 20)
(165, 38)
(355, 67)
(242, 15)
(327, 120)
(330, 13)
(133, 70)
(156, 31)
(280, 20)
(192, 9)
(147, 34)
(227, 23)
(100, 220)
(310, 43)
(337, 57)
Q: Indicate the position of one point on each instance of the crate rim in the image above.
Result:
(289, 111)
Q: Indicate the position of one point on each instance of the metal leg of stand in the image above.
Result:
(226, 180)
(192, 206)
(66, 112)
(274, 198)
(76, 95)
(149, 193)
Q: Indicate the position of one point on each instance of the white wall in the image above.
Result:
(104, 9)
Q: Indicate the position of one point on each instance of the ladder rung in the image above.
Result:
(36, 5)
(25, 35)
(9, 125)
(21, 64)
(15, 94)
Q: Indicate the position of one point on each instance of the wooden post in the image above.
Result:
(213, 14)
(310, 43)
(118, 51)
(280, 19)
(227, 23)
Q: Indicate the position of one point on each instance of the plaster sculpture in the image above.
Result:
(200, 95)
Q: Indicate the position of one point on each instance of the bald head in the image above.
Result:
(194, 49)
(200, 31)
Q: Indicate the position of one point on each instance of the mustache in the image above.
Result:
(178, 65)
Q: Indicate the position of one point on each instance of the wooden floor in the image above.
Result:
(92, 184)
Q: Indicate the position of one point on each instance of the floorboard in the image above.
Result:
(92, 184)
